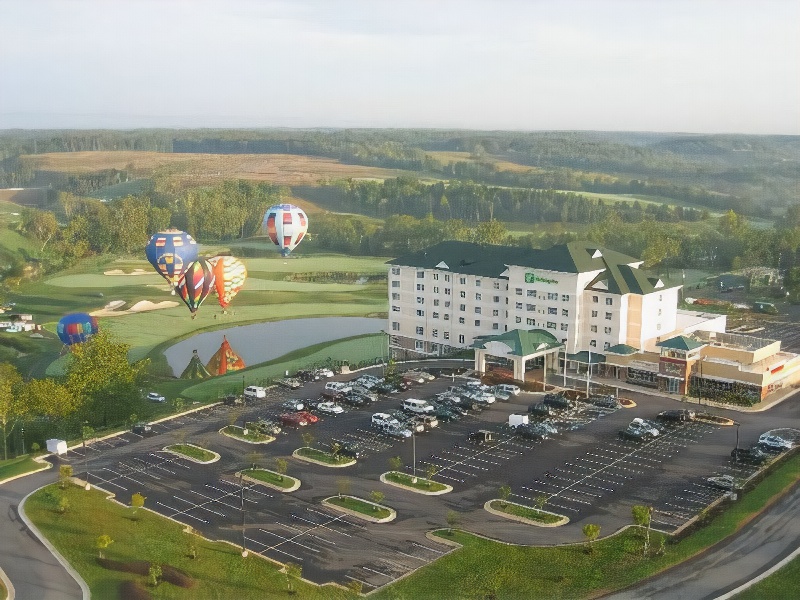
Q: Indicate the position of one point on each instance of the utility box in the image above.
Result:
(517, 420)
(57, 446)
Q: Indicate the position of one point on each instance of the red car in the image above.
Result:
(311, 418)
(293, 420)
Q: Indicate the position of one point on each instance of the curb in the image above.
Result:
(488, 508)
(447, 488)
(11, 593)
(191, 459)
(392, 516)
(291, 488)
(319, 462)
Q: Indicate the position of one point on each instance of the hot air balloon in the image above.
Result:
(196, 284)
(285, 224)
(224, 360)
(76, 328)
(171, 252)
(229, 276)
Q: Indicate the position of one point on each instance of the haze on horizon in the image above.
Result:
(706, 66)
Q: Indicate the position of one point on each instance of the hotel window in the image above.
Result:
(496, 299)
(608, 316)
(420, 300)
(607, 330)
(495, 313)
(551, 325)
(609, 301)
(436, 277)
(531, 293)
(395, 326)
(496, 285)
(518, 291)
(419, 345)
(395, 296)
(658, 327)
(563, 340)
(420, 330)
(659, 312)
(434, 333)
(395, 309)
(461, 339)
(447, 291)
(477, 323)
(477, 310)
(461, 320)
(594, 313)
(659, 297)
(565, 297)
(564, 327)
(446, 317)
(477, 283)
(447, 335)
(530, 307)
(435, 315)
(395, 284)
(564, 312)
(447, 303)
(606, 345)
(531, 322)
(395, 270)
(518, 305)
(436, 302)
(435, 289)
(446, 277)
(462, 307)
(434, 347)
(595, 299)
(552, 310)
(552, 296)
(518, 320)
(420, 274)
(593, 328)
(495, 325)
(420, 313)
(463, 294)
(477, 296)
(420, 287)
(593, 343)
(463, 281)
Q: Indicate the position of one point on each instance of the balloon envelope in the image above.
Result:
(196, 284)
(76, 328)
(285, 224)
(229, 276)
(171, 252)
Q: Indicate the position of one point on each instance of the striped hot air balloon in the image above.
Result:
(229, 276)
(285, 224)
(171, 252)
(196, 284)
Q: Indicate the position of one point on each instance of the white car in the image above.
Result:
(382, 419)
(774, 442)
(329, 408)
(156, 397)
(338, 387)
(643, 427)
(254, 391)
(507, 388)
(323, 372)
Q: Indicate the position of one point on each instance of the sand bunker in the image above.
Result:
(110, 309)
(121, 272)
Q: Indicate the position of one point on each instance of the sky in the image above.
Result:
(709, 66)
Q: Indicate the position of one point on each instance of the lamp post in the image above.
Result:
(414, 455)
(244, 536)
(22, 433)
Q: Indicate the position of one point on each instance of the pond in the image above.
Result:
(262, 342)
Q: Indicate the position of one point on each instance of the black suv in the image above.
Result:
(141, 429)
(557, 401)
(346, 449)
(679, 415)
(753, 456)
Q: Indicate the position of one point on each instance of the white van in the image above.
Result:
(338, 386)
(419, 407)
(254, 391)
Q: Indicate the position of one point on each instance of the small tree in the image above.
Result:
(178, 404)
(137, 502)
(453, 519)
(35, 448)
(591, 531)
(505, 492)
(308, 438)
(154, 574)
(336, 447)
(343, 486)
(281, 466)
(642, 515)
(539, 502)
(395, 463)
(355, 586)
(63, 505)
(254, 458)
(103, 542)
(64, 474)
(430, 471)
(293, 571)
(377, 497)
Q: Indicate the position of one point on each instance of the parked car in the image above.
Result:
(480, 396)
(508, 388)
(774, 443)
(293, 420)
(310, 417)
(255, 392)
(329, 408)
(676, 416)
(396, 430)
(354, 400)
(447, 404)
(753, 456)
(306, 375)
(413, 405)
(294, 404)
(605, 401)
(323, 372)
(365, 393)
(414, 377)
(413, 425)
(264, 426)
(480, 437)
(541, 409)
(345, 449)
(232, 400)
(724, 482)
(380, 419)
(387, 388)
(141, 429)
(634, 435)
(646, 427)
(444, 413)
(427, 421)
(338, 386)
(156, 397)
(291, 383)
(531, 431)
(558, 400)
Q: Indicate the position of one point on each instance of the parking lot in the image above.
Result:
(585, 471)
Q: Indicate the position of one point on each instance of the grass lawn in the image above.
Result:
(482, 566)
(17, 466)
(361, 506)
(324, 457)
(267, 476)
(781, 584)
(423, 484)
(219, 569)
(237, 432)
(525, 512)
(194, 452)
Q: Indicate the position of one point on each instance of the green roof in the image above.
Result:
(623, 349)
(681, 342)
(521, 342)
(584, 356)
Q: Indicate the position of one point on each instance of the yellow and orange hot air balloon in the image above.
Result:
(229, 277)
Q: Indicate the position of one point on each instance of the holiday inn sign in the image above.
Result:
(533, 278)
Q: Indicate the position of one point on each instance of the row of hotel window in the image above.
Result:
(496, 312)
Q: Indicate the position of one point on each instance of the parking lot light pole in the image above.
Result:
(414, 456)
(244, 535)
(22, 433)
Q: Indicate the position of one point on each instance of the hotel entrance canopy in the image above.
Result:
(518, 346)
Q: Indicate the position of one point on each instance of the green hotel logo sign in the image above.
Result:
(533, 278)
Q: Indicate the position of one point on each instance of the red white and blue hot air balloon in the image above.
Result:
(286, 225)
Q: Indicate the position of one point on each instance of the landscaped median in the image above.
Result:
(525, 514)
(249, 436)
(20, 466)
(320, 457)
(282, 483)
(420, 485)
(193, 453)
(363, 509)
